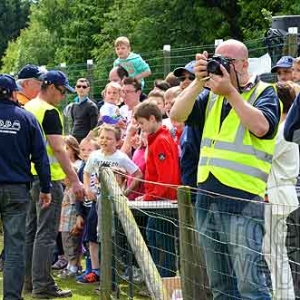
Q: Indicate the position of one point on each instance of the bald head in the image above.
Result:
(233, 48)
(238, 52)
(117, 74)
(113, 75)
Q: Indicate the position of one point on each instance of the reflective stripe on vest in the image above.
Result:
(227, 157)
(232, 165)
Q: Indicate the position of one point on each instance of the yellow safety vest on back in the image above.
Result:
(230, 152)
(38, 107)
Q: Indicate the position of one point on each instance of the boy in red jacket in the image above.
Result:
(162, 163)
(162, 168)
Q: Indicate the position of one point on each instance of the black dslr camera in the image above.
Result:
(213, 65)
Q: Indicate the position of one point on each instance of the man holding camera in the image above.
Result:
(238, 118)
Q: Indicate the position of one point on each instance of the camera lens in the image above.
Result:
(213, 67)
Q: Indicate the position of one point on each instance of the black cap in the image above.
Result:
(57, 77)
(30, 71)
(7, 84)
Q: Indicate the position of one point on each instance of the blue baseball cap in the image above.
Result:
(284, 62)
(178, 72)
(57, 78)
(30, 71)
(7, 84)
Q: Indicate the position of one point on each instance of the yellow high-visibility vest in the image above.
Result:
(38, 107)
(229, 151)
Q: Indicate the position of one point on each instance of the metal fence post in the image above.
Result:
(66, 119)
(90, 76)
(167, 59)
(218, 42)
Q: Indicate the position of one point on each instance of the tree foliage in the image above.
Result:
(13, 17)
(73, 31)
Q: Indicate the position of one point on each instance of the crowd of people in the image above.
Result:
(209, 124)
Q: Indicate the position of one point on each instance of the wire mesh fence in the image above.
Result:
(222, 247)
(160, 61)
(165, 250)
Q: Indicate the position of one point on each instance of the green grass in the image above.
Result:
(80, 291)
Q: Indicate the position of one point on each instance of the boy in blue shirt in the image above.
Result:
(133, 63)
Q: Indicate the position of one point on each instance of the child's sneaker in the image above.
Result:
(90, 278)
(64, 274)
(60, 264)
(84, 273)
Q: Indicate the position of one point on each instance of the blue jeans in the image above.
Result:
(41, 232)
(232, 243)
(13, 209)
(161, 241)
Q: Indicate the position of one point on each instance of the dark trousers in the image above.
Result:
(13, 209)
(293, 248)
(41, 232)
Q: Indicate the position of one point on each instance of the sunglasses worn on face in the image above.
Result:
(183, 78)
(63, 92)
(81, 86)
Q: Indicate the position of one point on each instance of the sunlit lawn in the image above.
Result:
(80, 291)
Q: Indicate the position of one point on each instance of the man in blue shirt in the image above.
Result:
(229, 209)
(21, 143)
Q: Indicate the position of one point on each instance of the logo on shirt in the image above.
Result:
(7, 126)
(161, 156)
(107, 163)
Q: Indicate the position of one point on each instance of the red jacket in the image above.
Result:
(162, 166)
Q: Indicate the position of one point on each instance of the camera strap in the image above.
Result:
(237, 80)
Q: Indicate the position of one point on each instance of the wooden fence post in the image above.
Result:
(105, 213)
(134, 237)
(291, 44)
(193, 270)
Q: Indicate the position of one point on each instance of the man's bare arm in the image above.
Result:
(185, 100)
(57, 144)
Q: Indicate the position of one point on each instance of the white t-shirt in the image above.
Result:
(126, 115)
(125, 112)
(111, 110)
(118, 159)
(283, 176)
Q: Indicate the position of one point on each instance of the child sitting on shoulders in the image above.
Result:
(131, 62)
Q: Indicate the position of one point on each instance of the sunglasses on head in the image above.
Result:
(183, 78)
(81, 86)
